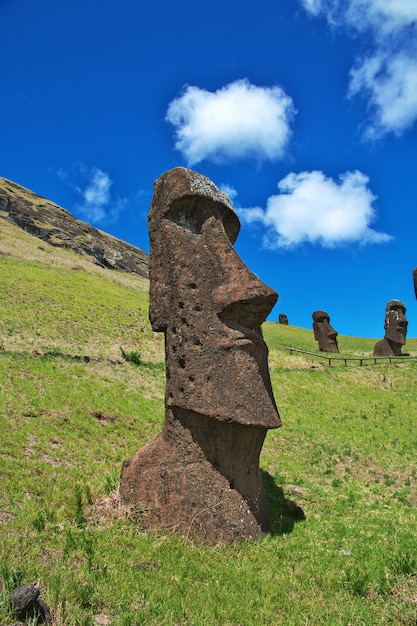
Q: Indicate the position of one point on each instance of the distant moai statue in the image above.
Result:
(283, 319)
(324, 333)
(395, 330)
(415, 280)
(201, 474)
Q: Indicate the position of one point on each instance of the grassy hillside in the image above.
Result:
(72, 409)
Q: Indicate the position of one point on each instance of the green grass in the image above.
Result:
(345, 455)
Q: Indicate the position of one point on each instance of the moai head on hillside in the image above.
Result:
(415, 280)
(208, 303)
(395, 326)
(324, 333)
(395, 322)
(202, 472)
(283, 319)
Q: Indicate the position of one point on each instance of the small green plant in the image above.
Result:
(357, 581)
(12, 576)
(70, 543)
(79, 506)
(39, 522)
(88, 547)
(403, 563)
(134, 357)
(85, 594)
(88, 494)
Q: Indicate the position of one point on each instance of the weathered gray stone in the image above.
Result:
(26, 604)
(23, 597)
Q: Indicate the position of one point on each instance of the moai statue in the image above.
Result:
(395, 330)
(201, 474)
(283, 319)
(415, 280)
(324, 333)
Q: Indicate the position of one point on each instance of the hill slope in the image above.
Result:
(56, 226)
(72, 408)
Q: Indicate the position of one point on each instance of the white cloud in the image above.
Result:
(238, 120)
(230, 191)
(98, 205)
(390, 15)
(387, 74)
(96, 196)
(318, 210)
(391, 85)
(312, 6)
(386, 15)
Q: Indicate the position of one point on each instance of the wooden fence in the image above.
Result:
(363, 360)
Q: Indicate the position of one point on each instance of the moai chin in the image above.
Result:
(395, 326)
(324, 333)
(201, 474)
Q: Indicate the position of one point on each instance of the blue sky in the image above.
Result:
(303, 111)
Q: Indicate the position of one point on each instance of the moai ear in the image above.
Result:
(159, 292)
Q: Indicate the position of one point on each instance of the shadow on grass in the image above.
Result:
(284, 513)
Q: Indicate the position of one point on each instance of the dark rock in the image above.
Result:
(26, 604)
(103, 418)
(58, 227)
(201, 474)
(43, 612)
(22, 598)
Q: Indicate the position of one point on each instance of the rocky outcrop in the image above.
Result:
(56, 226)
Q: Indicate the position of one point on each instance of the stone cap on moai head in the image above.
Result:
(282, 318)
(324, 333)
(395, 326)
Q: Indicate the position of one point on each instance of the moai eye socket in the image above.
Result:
(191, 212)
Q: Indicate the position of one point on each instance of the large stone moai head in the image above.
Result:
(283, 319)
(324, 333)
(202, 471)
(208, 304)
(395, 326)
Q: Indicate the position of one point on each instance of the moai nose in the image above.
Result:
(244, 299)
